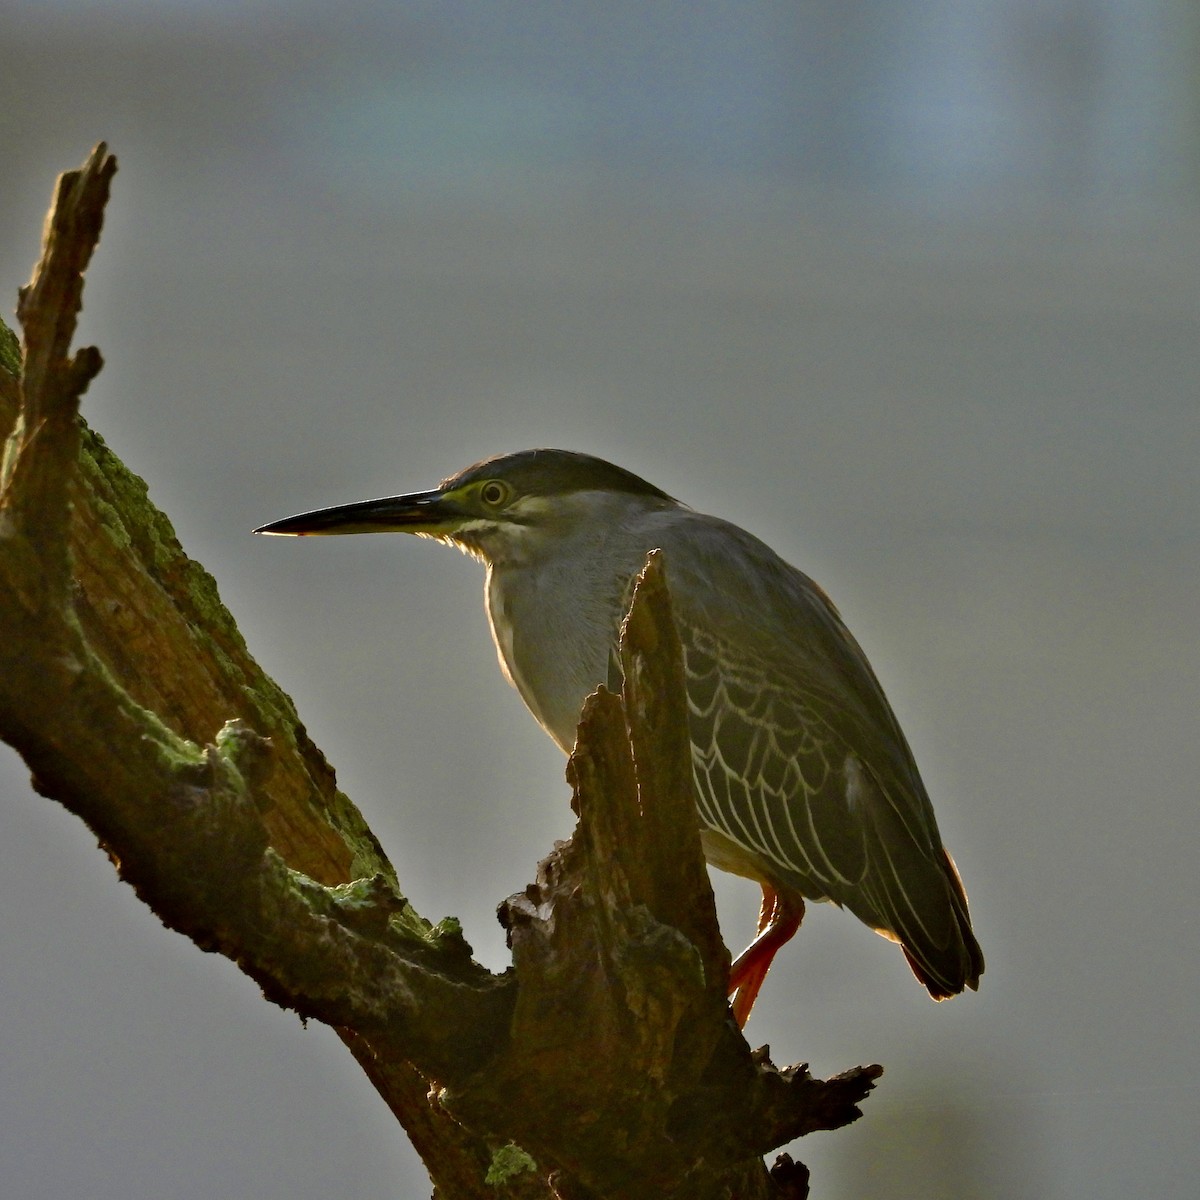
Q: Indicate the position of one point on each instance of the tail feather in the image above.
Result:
(947, 969)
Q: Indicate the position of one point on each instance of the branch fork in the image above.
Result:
(607, 1053)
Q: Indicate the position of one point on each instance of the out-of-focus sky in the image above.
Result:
(911, 290)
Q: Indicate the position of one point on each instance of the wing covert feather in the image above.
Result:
(798, 757)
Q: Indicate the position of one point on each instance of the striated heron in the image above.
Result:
(804, 781)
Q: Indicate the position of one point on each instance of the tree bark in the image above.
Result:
(603, 1064)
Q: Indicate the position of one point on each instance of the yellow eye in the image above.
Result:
(494, 493)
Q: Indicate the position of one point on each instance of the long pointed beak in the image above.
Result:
(420, 512)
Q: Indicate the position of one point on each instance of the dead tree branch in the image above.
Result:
(606, 1054)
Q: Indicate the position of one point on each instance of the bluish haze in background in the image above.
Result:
(911, 290)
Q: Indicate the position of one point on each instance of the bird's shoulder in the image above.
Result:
(733, 584)
(734, 596)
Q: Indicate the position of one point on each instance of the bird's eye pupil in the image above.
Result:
(492, 493)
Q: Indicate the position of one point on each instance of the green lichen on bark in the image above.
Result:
(508, 1162)
(120, 506)
(10, 351)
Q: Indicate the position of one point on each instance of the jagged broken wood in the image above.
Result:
(606, 1054)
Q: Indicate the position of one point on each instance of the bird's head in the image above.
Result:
(500, 509)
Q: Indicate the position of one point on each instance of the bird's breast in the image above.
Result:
(553, 638)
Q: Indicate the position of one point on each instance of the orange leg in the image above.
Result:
(778, 920)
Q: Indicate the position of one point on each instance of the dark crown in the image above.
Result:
(555, 473)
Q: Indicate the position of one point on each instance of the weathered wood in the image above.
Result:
(604, 1064)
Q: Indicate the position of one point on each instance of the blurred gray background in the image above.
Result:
(911, 290)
